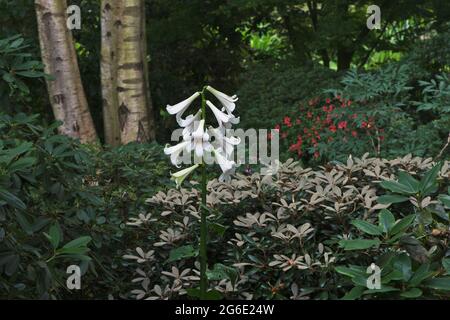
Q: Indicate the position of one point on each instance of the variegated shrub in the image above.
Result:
(302, 234)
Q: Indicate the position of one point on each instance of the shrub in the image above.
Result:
(373, 112)
(270, 91)
(54, 191)
(303, 234)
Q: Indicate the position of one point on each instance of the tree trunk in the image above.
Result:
(344, 59)
(66, 92)
(135, 109)
(110, 9)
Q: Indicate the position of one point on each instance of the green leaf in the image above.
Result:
(408, 180)
(221, 272)
(438, 283)
(30, 74)
(353, 294)
(55, 235)
(397, 187)
(402, 224)
(412, 293)
(386, 220)
(403, 264)
(12, 200)
(358, 244)
(183, 252)
(391, 198)
(446, 265)
(429, 180)
(445, 199)
(351, 271)
(420, 275)
(381, 290)
(24, 223)
(218, 228)
(367, 227)
(77, 243)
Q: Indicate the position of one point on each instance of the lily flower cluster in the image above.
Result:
(197, 138)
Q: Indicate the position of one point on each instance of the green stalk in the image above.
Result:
(203, 226)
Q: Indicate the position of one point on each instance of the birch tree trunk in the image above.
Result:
(66, 92)
(110, 10)
(125, 69)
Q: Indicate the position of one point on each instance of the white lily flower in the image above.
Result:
(182, 106)
(179, 176)
(175, 152)
(225, 164)
(189, 124)
(226, 144)
(226, 176)
(227, 101)
(200, 140)
(220, 116)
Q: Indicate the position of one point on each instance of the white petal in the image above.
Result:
(223, 162)
(220, 116)
(222, 95)
(227, 102)
(199, 149)
(180, 107)
(175, 152)
(190, 119)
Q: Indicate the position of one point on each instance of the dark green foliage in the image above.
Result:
(54, 190)
(270, 91)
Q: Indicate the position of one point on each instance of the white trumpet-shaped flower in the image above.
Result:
(197, 139)
(223, 142)
(181, 175)
(189, 124)
(175, 152)
(220, 116)
(181, 107)
(226, 176)
(200, 140)
(225, 164)
(227, 101)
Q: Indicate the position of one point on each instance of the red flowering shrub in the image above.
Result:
(328, 129)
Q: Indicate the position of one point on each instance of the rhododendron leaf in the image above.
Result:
(181, 253)
(391, 198)
(358, 244)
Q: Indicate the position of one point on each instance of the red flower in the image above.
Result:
(363, 124)
(354, 133)
(309, 114)
(287, 121)
(297, 146)
(325, 109)
(328, 100)
(333, 128)
(342, 125)
(316, 154)
(277, 127)
(349, 103)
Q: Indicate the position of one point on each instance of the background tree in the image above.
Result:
(127, 106)
(66, 91)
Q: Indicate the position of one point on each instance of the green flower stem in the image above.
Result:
(203, 226)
